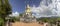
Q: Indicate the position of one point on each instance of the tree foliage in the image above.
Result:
(49, 19)
(5, 10)
(21, 14)
(1, 22)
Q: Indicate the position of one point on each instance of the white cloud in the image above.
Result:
(58, 7)
(15, 14)
(46, 8)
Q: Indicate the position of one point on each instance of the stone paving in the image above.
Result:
(26, 24)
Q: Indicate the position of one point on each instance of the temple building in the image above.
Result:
(28, 11)
(27, 16)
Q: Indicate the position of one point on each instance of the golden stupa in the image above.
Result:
(27, 16)
(28, 10)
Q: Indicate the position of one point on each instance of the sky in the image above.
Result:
(38, 7)
(19, 5)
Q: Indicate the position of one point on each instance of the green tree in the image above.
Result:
(1, 22)
(58, 19)
(45, 19)
(21, 14)
(5, 9)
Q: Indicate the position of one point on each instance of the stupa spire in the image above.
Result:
(28, 9)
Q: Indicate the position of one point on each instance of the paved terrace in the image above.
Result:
(26, 24)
